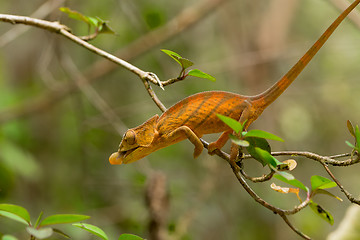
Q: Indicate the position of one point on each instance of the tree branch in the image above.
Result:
(183, 21)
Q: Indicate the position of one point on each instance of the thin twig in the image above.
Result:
(286, 220)
(319, 158)
(264, 178)
(347, 194)
(153, 95)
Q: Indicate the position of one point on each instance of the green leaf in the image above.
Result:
(101, 25)
(322, 212)
(58, 231)
(173, 55)
(38, 219)
(127, 236)
(285, 175)
(319, 182)
(170, 53)
(232, 123)
(18, 211)
(293, 182)
(351, 145)
(93, 21)
(350, 127)
(92, 229)
(322, 191)
(105, 28)
(63, 218)
(40, 233)
(75, 15)
(263, 134)
(268, 158)
(200, 74)
(240, 142)
(357, 136)
(185, 63)
(260, 143)
(13, 217)
(8, 237)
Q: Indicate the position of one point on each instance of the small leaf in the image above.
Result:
(75, 15)
(293, 182)
(185, 63)
(284, 189)
(103, 26)
(267, 157)
(40, 233)
(62, 219)
(92, 229)
(357, 136)
(240, 142)
(351, 145)
(290, 165)
(318, 182)
(58, 231)
(260, 143)
(322, 191)
(93, 21)
(16, 210)
(200, 74)
(351, 128)
(127, 236)
(173, 55)
(38, 219)
(286, 175)
(13, 217)
(8, 237)
(170, 53)
(322, 212)
(232, 123)
(263, 134)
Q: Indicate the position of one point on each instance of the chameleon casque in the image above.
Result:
(195, 115)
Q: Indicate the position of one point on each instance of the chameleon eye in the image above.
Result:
(130, 137)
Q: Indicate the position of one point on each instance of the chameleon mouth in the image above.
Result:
(119, 157)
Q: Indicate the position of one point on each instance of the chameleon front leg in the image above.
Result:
(194, 139)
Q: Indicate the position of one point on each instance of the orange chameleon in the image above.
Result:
(195, 115)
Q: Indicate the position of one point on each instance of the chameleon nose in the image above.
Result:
(115, 158)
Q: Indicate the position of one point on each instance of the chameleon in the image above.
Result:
(196, 115)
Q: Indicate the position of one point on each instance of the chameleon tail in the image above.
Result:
(267, 97)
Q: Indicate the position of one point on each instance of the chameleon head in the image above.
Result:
(136, 143)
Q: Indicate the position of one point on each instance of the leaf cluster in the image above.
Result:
(255, 142)
(355, 132)
(185, 64)
(43, 228)
(100, 25)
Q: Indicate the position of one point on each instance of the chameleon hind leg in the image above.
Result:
(218, 144)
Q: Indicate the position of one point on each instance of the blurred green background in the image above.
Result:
(56, 160)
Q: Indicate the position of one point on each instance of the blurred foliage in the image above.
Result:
(57, 160)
